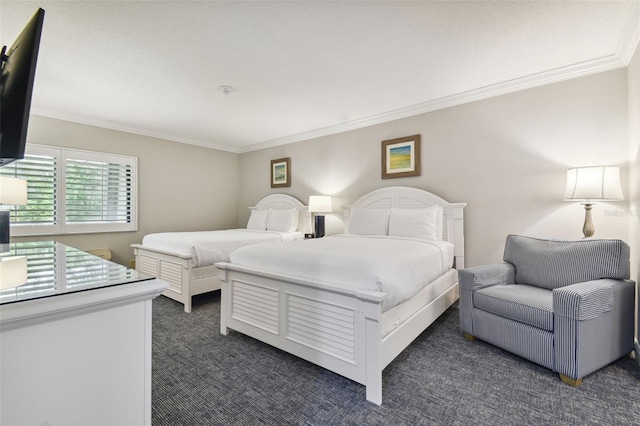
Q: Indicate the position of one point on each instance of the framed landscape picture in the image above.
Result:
(401, 157)
(281, 173)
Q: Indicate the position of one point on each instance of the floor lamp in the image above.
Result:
(319, 204)
(591, 184)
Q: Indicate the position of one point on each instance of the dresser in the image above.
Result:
(75, 340)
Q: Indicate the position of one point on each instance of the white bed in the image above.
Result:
(186, 259)
(336, 317)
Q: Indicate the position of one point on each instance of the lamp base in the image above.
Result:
(587, 229)
(319, 226)
(5, 230)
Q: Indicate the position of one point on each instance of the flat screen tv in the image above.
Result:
(18, 66)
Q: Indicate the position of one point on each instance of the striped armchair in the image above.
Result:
(566, 305)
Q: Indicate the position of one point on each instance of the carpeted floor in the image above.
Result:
(201, 377)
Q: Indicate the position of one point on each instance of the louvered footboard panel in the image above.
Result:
(171, 272)
(322, 326)
(147, 265)
(255, 305)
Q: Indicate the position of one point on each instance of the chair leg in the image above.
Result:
(469, 337)
(570, 381)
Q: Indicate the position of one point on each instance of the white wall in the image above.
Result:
(506, 157)
(180, 187)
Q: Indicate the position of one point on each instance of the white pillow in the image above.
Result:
(258, 220)
(368, 221)
(282, 220)
(415, 223)
(439, 222)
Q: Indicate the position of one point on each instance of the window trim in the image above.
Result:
(61, 227)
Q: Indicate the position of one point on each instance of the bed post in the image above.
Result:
(224, 291)
(454, 220)
(373, 359)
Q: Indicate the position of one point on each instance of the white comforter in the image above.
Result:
(209, 247)
(399, 267)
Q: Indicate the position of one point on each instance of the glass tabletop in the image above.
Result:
(55, 269)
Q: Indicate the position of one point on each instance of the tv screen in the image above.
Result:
(16, 86)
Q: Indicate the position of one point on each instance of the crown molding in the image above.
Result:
(630, 38)
(119, 128)
(629, 41)
(606, 63)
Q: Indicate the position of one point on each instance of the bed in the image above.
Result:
(316, 312)
(186, 260)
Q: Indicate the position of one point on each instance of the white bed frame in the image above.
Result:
(186, 280)
(336, 328)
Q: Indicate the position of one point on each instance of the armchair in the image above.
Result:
(566, 305)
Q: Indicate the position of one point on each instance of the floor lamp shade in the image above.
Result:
(319, 204)
(591, 184)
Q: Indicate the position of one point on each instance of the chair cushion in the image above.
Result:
(556, 263)
(523, 303)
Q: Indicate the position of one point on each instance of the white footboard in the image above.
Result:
(337, 329)
(184, 280)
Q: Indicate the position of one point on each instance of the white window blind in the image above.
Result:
(73, 191)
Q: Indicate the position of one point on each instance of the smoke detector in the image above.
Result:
(227, 89)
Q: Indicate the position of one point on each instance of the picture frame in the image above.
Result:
(281, 173)
(401, 157)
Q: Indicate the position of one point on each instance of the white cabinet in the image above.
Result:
(81, 354)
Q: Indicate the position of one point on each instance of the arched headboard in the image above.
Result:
(404, 197)
(284, 202)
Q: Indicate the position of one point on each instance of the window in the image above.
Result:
(72, 191)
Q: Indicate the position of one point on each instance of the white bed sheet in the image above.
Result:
(209, 247)
(396, 266)
(392, 318)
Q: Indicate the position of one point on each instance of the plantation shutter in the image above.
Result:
(40, 169)
(98, 192)
(74, 191)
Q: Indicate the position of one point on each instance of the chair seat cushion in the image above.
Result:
(524, 303)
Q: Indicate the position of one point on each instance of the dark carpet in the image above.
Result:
(201, 377)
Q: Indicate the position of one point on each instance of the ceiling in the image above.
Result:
(303, 69)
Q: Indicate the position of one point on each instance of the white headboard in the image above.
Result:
(283, 202)
(404, 197)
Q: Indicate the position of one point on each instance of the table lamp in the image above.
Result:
(13, 191)
(319, 204)
(591, 184)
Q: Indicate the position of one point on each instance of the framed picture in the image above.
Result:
(281, 173)
(401, 157)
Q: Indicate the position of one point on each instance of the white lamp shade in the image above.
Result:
(13, 191)
(320, 204)
(13, 271)
(599, 183)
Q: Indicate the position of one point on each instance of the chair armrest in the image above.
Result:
(479, 277)
(589, 299)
